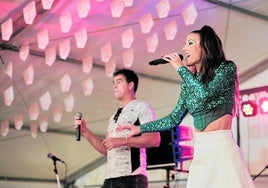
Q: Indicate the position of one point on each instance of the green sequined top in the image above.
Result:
(205, 102)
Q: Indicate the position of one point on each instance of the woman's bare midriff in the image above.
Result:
(223, 123)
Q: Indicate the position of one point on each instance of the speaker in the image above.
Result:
(170, 152)
(161, 156)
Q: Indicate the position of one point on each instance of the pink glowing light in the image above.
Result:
(128, 3)
(24, 51)
(4, 128)
(18, 121)
(33, 111)
(106, 52)
(42, 39)
(28, 75)
(47, 4)
(171, 30)
(88, 86)
(152, 43)
(50, 55)
(110, 68)
(7, 29)
(87, 63)
(43, 124)
(57, 113)
(163, 8)
(127, 38)
(83, 7)
(9, 70)
(29, 12)
(45, 101)
(66, 22)
(69, 103)
(34, 129)
(64, 49)
(117, 7)
(65, 82)
(81, 38)
(189, 14)
(128, 58)
(8, 96)
(146, 23)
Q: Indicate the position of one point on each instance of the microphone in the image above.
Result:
(161, 61)
(78, 129)
(54, 158)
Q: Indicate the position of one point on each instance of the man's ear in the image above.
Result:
(131, 85)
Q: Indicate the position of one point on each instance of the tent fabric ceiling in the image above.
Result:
(242, 26)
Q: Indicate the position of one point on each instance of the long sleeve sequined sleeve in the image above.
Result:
(223, 81)
(169, 121)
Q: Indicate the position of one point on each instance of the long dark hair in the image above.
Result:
(212, 52)
(212, 56)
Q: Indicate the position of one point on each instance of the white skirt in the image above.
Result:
(218, 162)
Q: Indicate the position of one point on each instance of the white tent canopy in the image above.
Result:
(58, 61)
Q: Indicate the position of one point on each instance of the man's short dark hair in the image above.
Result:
(130, 76)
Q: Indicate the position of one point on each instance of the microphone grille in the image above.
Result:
(49, 155)
(79, 115)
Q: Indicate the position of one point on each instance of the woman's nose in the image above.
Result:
(183, 48)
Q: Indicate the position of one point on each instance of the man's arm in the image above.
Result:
(146, 140)
(95, 141)
(92, 138)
